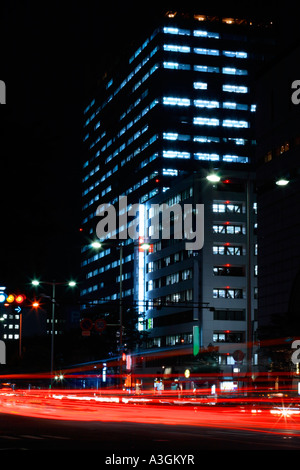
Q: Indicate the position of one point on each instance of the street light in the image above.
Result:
(282, 182)
(36, 282)
(97, 245)
(213, 178)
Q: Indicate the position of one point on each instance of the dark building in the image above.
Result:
(278, 170)
(180, 106)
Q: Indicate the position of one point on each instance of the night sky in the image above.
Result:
(52, 59)
(52, 55)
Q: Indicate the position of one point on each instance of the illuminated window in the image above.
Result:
(175, 154)
(170, 136)
(206, 34)
(174, 48)
(203, 121)
(235, 88)
(200, 86)
(229, 270)
(206, 139)
(175, 136)
(229, 250)
(176, 101)
(234, 123)
(172, 279)
(227, 293)
(234, 71)
(231, 105)
(234, 208)
(186, 274)
(170, 172)
(236, 140)
(206, 68)
(199, 50)
(234, 229)
(176, 66)
(184, 32)
(200, 17)
(235, 158)
(207, 156)
(229, 337)
(237, 54)
(171, 14)
(206, 104)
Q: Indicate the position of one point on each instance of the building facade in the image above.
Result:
(179, 108)
(203, 298)
(278, 172)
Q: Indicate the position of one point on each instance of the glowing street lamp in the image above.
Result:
(213, 178)
(282, 182)
(96, 245)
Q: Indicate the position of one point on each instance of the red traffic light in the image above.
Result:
(20, 299)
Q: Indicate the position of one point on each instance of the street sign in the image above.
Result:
(100, 324)
(238, 355)
(86, 324)
(86, 333)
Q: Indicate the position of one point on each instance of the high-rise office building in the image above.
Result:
(179, 108)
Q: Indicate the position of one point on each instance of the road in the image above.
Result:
(66, 422)
(25, 433)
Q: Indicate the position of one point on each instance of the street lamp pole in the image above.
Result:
(53, 329)
(121, 313)
(121, 298)
(97, 245)
(53, 301)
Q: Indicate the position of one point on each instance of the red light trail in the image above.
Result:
(252, 414)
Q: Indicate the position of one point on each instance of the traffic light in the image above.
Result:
(20, 298)
(13, 298)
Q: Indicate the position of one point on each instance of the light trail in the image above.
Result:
(281, 418)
